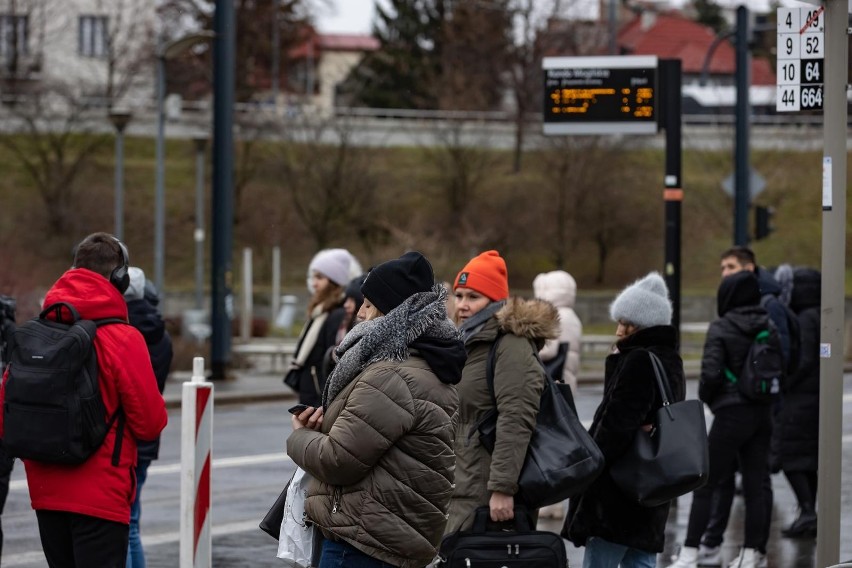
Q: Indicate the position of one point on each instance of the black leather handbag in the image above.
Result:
(562, 458)
(521, 548)
(271, 522)
(670, 460)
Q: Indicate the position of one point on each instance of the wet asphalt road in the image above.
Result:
(250, 468)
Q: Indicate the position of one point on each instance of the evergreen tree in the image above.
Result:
(402, 73)
(710, 14)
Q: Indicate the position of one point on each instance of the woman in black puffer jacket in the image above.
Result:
(798, 423)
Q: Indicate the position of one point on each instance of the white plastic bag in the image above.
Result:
(297, 538)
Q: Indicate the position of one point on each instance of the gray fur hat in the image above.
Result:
(645, 303)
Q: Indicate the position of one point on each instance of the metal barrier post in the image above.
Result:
(195, 463)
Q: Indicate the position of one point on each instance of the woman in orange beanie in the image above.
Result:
(516, 329)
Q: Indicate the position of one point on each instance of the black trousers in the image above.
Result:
(738, 433)
(71, 540)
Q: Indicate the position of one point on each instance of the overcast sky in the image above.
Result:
(356, 16)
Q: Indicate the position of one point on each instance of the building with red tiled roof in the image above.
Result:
(323, 61)
(671, 35)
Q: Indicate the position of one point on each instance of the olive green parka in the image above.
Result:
(518, 384)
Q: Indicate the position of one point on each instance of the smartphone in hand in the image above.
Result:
(297, 409)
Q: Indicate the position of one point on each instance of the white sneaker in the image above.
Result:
(688, 558)
(748, 558)
(709, 556)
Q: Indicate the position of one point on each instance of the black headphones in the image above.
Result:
(119, 277)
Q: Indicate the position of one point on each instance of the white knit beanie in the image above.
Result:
(136, 288)
(333, 264)
(645, 303)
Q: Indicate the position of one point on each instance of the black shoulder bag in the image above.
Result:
(670, 460)
(562, 458)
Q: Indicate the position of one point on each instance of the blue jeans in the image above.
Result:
(135, 554)
(601, 553)
(340, 554)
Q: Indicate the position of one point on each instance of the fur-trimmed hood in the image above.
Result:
(534, 319)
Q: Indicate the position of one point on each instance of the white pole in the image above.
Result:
(245, 320)
(195, 483)
(275, 300)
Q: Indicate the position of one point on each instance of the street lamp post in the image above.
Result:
(119, 120)
(166, 51)
(200, 144)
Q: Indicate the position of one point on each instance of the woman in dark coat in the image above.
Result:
(329, 274)
(615, 530)
(798, 423)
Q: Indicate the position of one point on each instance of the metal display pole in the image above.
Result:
(670, 80)
(833, 283)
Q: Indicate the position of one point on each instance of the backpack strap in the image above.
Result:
(57, 308)
(490, 364)
(118, 415)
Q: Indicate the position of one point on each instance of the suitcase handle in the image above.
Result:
(482, 517)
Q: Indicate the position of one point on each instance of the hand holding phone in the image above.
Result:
(297, 409)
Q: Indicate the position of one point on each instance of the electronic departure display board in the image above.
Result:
(600, 95)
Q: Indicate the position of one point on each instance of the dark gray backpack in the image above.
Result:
(53, 410)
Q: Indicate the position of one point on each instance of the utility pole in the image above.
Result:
(741, 147)
(833, 282)
(222, 311)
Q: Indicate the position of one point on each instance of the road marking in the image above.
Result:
(218, 530)
(218, 463)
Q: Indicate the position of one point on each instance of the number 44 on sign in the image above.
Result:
(800, 66)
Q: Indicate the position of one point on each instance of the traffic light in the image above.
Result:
(763, 222)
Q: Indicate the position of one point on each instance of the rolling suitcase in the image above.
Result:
(521, 548)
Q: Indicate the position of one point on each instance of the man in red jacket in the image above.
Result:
(83, 510)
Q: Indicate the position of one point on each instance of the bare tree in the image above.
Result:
(56, 110)
(329, 180)
(594, 196)
(462, 163)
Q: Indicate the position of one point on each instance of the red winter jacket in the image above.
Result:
(96, 487)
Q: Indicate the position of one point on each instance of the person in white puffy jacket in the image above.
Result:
(559, 288)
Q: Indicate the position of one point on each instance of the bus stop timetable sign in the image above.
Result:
(800, 66)
(600, 95)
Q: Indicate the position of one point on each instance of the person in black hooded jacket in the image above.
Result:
(798, 422)
(741, 428)
(142, 300)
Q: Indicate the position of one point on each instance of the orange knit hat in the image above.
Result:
(486, 274)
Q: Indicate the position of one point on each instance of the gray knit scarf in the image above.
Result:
(473, 324)
(387, 338)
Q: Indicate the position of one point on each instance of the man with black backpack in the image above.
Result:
(81, 480)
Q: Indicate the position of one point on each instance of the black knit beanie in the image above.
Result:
(391, 283)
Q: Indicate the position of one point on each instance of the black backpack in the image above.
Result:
(763, 371)
(53, 410)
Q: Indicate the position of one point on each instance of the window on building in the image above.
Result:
(92, 37)
(14, 35)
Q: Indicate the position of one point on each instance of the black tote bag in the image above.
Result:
(271, 522)
(562, 458)
(672, 459)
